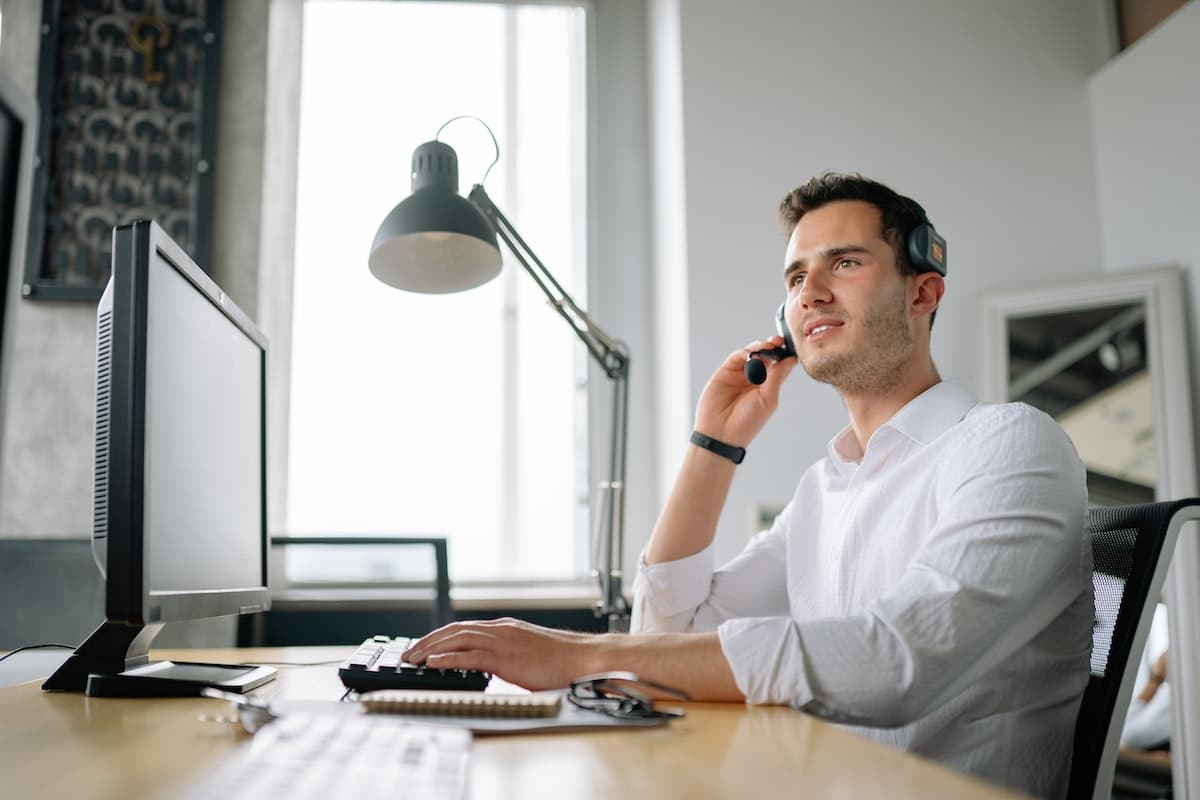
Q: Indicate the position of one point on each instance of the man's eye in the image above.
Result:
(845, 263)
(797, 279)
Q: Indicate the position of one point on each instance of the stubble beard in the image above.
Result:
(879, 367)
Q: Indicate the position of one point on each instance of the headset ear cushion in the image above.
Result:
(927, 249)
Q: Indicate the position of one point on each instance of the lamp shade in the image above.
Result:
(435, 241)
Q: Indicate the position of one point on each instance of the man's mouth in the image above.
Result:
(820, 327)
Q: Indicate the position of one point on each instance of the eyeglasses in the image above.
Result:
(252, 712)
(613, 693)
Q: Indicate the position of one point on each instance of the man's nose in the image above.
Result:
(815, 290)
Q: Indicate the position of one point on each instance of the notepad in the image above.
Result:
(462, 704)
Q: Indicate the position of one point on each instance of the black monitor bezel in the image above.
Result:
(128, 598)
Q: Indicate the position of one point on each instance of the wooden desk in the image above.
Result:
(70, 745)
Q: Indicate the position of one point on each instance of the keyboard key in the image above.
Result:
(363, 657)
(378, 664)
(335, 755)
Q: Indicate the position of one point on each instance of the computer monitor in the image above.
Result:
(18, 142)
(179, 528)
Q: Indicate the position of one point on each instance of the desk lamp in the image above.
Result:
(436, 241)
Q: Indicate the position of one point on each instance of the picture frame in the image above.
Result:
(127, 101)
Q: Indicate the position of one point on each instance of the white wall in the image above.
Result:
(977, 109)
(1146, 117)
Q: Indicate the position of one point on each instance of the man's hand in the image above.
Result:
(734, 410)
(543, 658)
(1158, 676)
(516, 651)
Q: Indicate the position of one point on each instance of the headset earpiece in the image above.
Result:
(925, 248)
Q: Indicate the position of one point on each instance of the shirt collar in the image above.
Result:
(922, 419)
(933, 412)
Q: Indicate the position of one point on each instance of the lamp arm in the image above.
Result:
(613, 357)
(608, 352)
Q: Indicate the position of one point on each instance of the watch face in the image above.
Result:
(734, 454)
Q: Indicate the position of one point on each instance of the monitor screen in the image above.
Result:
(18, 140)
(179, 526)
(203, 490)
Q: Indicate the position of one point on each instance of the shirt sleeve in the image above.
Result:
(1148, 724)
(689, 595)
(1006, 557)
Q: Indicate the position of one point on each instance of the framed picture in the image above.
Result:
(127, 95)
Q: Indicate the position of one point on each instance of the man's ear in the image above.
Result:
(928, 290)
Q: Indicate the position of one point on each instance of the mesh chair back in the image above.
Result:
(1128, 543)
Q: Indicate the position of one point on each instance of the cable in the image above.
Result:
(495, 144)
(35, 647)
(289, 663)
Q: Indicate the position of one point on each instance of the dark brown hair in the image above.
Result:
(899, 214)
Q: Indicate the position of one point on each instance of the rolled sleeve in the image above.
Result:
(764, 654)
(666, 595)
(688, 595)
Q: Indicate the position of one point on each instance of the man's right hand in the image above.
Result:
(734, 410)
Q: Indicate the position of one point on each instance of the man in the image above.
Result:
(930, 582)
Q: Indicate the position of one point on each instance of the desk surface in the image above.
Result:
(69, 745)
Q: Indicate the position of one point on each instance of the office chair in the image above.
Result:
(1131, 549)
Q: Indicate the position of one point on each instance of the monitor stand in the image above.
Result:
(114, 662)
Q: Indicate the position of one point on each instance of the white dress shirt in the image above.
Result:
(933, 593)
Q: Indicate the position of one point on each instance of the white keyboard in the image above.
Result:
(332, 756)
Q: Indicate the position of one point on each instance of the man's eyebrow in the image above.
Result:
(832, 252)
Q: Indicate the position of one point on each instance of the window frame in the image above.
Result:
(612, 32)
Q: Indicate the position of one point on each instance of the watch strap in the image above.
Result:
(734, 454)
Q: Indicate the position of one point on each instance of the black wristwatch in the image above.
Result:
(734, 454)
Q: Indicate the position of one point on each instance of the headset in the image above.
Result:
(926, 251)
(925, 247)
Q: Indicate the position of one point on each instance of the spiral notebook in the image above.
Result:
(462, 703)
(486, 713)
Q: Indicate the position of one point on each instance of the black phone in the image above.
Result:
(756, 370)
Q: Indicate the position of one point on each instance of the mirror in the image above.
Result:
(1108, 358)
(1088, 369)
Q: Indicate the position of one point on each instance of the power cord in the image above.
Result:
(290, 663)
(36, 647)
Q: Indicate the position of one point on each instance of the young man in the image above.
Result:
(930, 582)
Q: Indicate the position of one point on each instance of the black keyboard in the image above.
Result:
(376, 664)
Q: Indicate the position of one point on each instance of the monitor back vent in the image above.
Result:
(103, 387)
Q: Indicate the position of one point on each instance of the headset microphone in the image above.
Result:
(755, 369)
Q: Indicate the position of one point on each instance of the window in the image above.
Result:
(458, 415)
